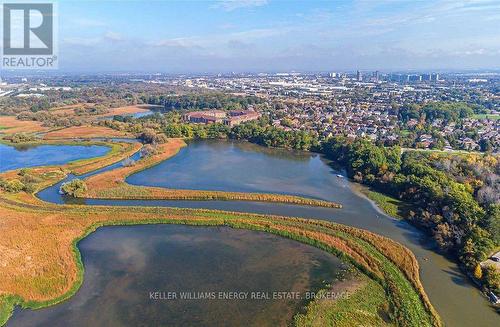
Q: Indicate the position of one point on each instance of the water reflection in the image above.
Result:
(13, 157)
(125, 264)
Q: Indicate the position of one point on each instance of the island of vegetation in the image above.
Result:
(40, 263)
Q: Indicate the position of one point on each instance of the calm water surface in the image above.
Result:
(41, 155)
(241, 167)
(246, 167)
(124, 264)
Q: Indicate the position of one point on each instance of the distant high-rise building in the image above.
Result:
(359, 77)
(414, 78)
(376, 76)
(397, 77)
(333, 75)
(434, 77)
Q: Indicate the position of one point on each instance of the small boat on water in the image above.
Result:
(339, 176)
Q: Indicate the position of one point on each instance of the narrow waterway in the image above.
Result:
(245, 167)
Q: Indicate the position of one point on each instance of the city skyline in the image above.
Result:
(269, 36)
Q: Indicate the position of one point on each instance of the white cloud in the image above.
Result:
(86, 22)
(230, 5)
(82, 41)
(260, 33)
(182, 42)
(113, 36)
(216, 40)
(93, 41)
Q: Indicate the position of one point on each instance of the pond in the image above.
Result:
(134, 115)
(243, 167)
(225, 272)
(41, 155)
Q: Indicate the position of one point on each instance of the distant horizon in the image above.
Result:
(13, 73)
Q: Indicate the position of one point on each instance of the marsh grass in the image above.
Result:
(365, 306)
(40, 264)
(389, 205)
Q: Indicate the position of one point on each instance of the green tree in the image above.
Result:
(74, 188)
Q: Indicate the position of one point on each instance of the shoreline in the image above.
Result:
(357, 188)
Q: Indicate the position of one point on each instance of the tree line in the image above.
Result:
(454, 198)
(200, 101)
(259, 132)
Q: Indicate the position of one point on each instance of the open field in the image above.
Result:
(128, 110)
(112, 185)
(11, 125)
(85, 132)
(486, 116)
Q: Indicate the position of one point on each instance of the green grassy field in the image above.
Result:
(365, 306)
(486, 116)
(391, 206)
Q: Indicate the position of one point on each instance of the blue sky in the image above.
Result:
(275, 35)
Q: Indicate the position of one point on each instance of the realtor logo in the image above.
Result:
(28, 36)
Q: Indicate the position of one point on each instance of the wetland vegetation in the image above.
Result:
(55, 272)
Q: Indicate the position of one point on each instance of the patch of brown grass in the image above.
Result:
(11, 125)
(85, 132)
(127, 110)
(69, 110)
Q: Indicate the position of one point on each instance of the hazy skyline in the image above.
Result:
(260, 35)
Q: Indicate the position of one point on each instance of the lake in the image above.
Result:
(41, 155)
(124, 265)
